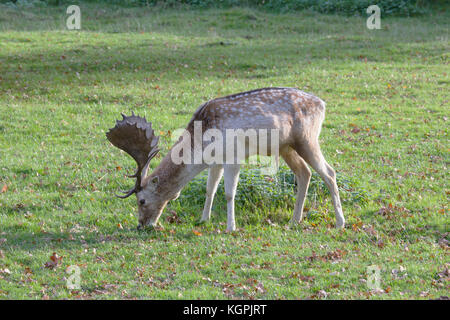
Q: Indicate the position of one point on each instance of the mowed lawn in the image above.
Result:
(386, 131)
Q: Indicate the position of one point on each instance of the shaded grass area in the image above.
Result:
(348, 7)
(385, 133)
(269, 197)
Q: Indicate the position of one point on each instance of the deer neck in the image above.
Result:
(173, 177)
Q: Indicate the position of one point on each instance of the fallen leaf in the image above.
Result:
(322, 294)
(4, 188)
(380, 243)
(173, 218)
(55, 260)
(444, 276)
(260, 288)
(424, 294)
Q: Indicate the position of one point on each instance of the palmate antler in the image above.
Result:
(135, 136)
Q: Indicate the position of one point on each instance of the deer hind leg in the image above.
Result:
(303, 175)
(214, 175)
(231, 178)
(313, 156)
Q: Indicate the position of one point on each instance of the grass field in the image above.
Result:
(386, 132)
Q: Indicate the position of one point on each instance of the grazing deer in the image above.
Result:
(296, 116)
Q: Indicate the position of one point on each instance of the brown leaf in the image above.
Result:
(444, 276)
(380, 243)
(443, 243)
(260, 288)
(306, 278)
(322, 294)
(313, 257)
(335, 255)
(369, 229)
(424, 293)
(173, 218)
(4, 188)
(55, 260)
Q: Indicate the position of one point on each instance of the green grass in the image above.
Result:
(385, 133)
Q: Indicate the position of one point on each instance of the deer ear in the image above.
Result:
(155, 180)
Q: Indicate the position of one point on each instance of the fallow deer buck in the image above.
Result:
(295, 116)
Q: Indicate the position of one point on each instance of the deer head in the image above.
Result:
(135, 136)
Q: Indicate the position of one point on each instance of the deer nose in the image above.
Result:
(142, 201)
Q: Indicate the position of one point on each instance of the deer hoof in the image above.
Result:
(148, 228)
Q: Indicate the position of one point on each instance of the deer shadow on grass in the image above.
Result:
(21, 236)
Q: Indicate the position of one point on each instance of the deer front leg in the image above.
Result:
(231, 177)
(214, 175)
